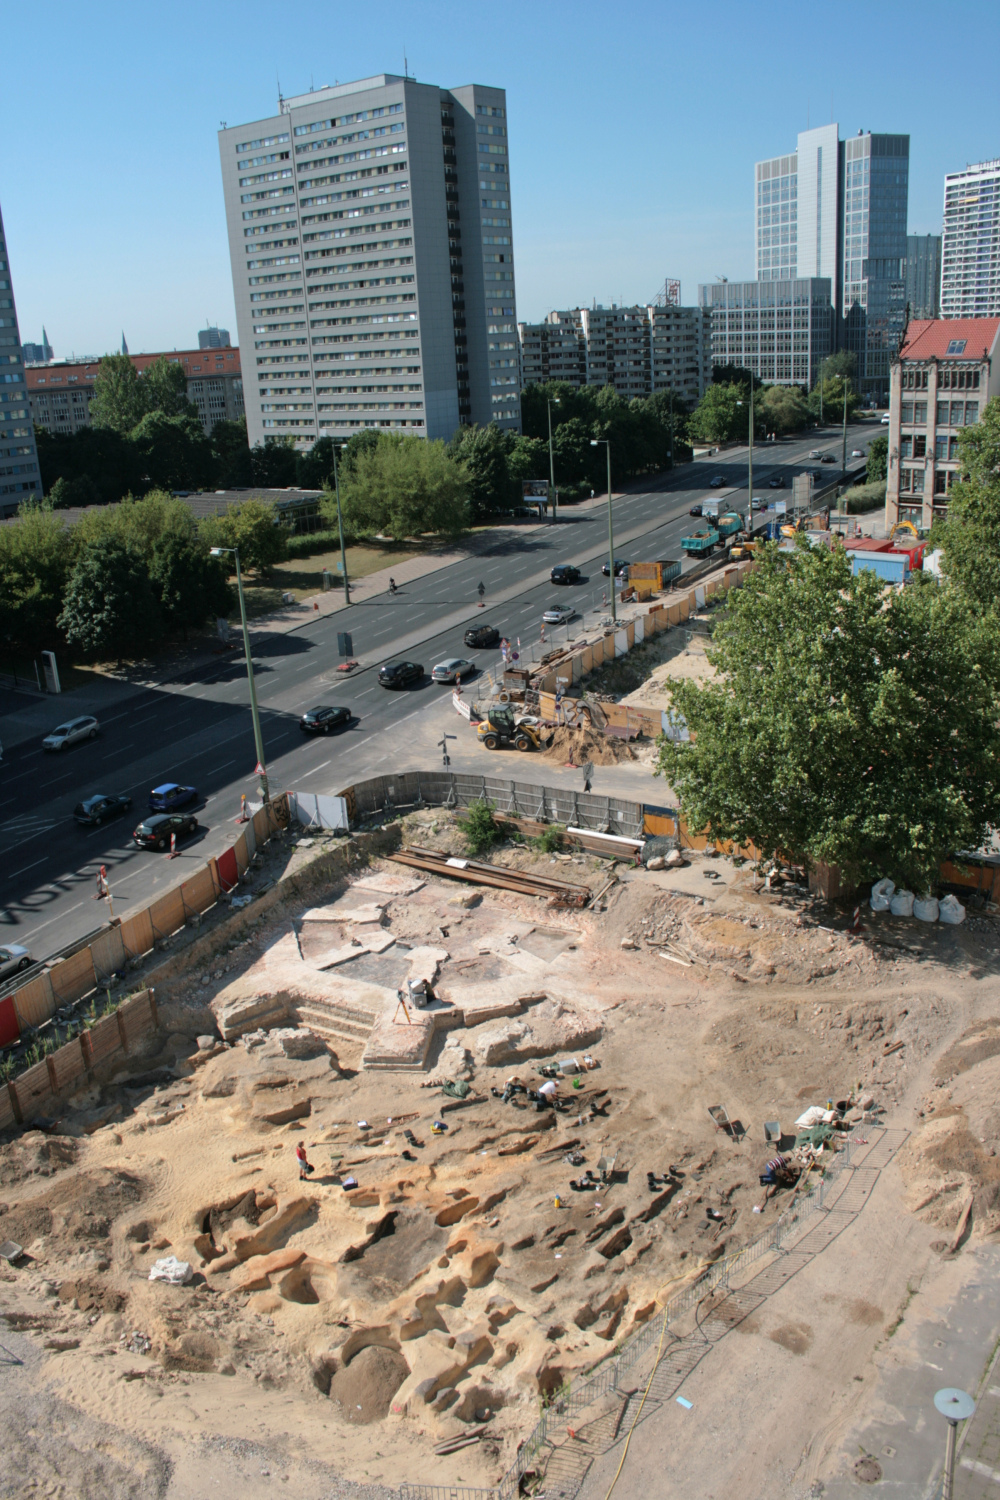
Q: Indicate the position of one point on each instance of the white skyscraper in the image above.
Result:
(372, 254)
(970, 254)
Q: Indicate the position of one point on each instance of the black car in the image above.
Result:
(565, 573)
(324, 719)
(482, 635)
(716, 482)
(94, 810)
(154, 832)
(695, 510)
(828, 458)
(621, 568)
(398, 674)
(777, 483)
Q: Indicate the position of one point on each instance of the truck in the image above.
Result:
(701, 544)
(658, 573)
(729, 524)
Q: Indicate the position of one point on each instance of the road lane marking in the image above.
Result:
(14, 873)
(57, 918)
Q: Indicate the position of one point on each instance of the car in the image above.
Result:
(453, 669)
(621, 569)
(154, 832)
(13, 958)
(324, 719)
(758, 503)
(777, 483)
(828, 458)
(94, 810)
(857, 453)
(398, 674)
(815, 453)
(169, 796)
(885, 420)
(815, 474)
(695, 510)
(558, 614)
(564, 573)
(716, 482)
(72, 733)
(482, 635)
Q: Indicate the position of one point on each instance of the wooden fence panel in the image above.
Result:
(8, 1119)
(66, 1065)
(137, 934)
(101, 1040)
(73, 977)
(263, 823)
(34, 1001)
(167, 915)
(10, 1029)
(108, 953)
(34, 1092)
(136, 1019)
(199, 893)
(240, 854)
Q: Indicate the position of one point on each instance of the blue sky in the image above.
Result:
(633, 130)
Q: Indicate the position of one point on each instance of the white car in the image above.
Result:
(71, 733)
(453, 670)
(885, 420)
(558, 614)
(13, 958)
(857, 453)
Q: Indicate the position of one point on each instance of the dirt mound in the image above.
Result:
(36, 1155)
(364, 1389)
(576, 746)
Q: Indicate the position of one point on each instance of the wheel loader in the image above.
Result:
(498, 730)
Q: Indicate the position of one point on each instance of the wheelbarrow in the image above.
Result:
(733, 1128)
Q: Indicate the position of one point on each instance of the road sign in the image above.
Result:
(258, 770)
(345, 645)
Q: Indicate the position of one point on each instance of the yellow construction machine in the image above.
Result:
(500, 729)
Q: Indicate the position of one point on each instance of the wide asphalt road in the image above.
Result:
(197, 730)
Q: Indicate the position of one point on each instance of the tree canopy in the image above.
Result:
(970, 534)
(846, 724)
(110, 611)
(723, 415)
(783, 409)
(251, 527)
(405, 487)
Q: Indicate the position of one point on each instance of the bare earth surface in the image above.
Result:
(331, 1336)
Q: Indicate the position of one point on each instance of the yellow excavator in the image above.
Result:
(499, 729)
(903, 530)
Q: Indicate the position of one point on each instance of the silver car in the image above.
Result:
(453, 670)
(13, 958)
(71, 733)
(558, 614)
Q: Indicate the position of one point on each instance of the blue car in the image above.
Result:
(168, 797)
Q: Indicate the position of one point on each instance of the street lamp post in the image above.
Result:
(750, 463)
(843, 458)
(596, 443)
(340, 527)
(552, 462)
(258, 738)
(955, 1406)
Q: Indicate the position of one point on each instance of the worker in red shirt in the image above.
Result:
(305, 1168)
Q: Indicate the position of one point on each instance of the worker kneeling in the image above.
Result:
(778, 1173)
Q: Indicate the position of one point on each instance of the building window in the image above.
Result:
(906, 412)
(919, 445)
(942, 414)
(918, 481)
(941, 482)
(906, 447)
(920, 412)
(971, 413)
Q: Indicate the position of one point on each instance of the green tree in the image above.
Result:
(406, 487)
(101, 455)
(231, 454)
(734, 375)
(878, 458)
(365, 441)
(843, 362)
(164, 385)
(251, 526)
(172, 452)
(721, 416)
(273, 463)
(783, 409)
(314, 469)
(190, 585)
(484, 452)
(832, 387)
(119, 399)
(847, 723)
(528, 458)
(110, 610)
(36, 555)
(72, 494)
(970, 535)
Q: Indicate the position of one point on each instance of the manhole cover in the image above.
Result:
(868, 1470)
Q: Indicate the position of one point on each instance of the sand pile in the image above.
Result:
(577, 746)
(364, 1389)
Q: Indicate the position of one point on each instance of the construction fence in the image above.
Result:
(36, 1093)
(608, 1378)
(94, 963)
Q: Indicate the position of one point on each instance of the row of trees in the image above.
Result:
(723, 413)
(852, 725)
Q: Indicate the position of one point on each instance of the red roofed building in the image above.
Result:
(946, 371)
(60, 393)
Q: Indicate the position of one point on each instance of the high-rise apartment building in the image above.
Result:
(20, 477)
(970, 254)
(781, 330)
(638, 350)
(837, 209)
(923, 275)
(373, 265)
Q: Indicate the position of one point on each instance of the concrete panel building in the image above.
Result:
(19, 473)
(923, 275)
(638, 350)
(947, 370)
(60, 394)
(373, 263)
(970, 253)
(782, 330)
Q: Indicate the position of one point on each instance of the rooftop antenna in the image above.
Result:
(281, 100)
(406, 65)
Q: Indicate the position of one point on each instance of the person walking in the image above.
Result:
(305, 1168)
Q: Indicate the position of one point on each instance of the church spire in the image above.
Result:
(124, 345)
